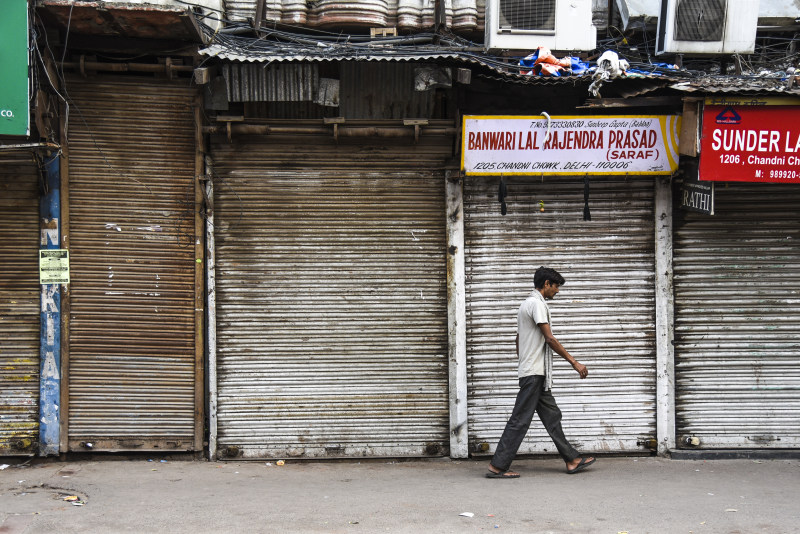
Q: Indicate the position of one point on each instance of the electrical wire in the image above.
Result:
(638, 48)
(35, 45)
(323, 45)
(288, 44)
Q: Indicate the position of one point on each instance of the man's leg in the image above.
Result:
(530, 387)
(550, 415)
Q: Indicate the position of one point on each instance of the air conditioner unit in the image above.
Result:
(707, 27)
(528, 24)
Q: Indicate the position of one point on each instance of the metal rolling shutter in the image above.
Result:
(19, 304)
(604, 315)
(737, 299)
(133, 364)
(331, 298)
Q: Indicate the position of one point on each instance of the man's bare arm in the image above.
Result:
(559, 349)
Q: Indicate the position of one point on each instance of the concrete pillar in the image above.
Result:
(665, 313)
(456, 315)
(211, 313)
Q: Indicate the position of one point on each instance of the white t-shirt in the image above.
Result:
(532, 312)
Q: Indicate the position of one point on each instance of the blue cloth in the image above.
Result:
(529, 60)
(578, 67)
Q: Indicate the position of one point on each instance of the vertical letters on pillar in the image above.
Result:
(50, 317)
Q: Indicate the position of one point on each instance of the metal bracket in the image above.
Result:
(416, 123)
(228, 120)
(336, 121)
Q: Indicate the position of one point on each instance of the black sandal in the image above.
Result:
(582, 465)
(501, 474)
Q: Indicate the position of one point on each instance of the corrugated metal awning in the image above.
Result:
(264, 51)
(736, 84)
(232, 53)
(249, 50)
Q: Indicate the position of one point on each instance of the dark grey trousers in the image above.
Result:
(531, 398)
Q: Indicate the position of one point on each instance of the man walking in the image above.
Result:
(535, 347)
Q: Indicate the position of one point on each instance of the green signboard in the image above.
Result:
(14, 110)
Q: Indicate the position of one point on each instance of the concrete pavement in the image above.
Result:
(617, 494)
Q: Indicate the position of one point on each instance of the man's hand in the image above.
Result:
(578, 366)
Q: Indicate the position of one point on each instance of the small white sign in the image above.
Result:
(54, 266)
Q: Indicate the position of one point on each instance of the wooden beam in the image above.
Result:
(192, 26)
(637, 102)
(690, 129)
(260, 7)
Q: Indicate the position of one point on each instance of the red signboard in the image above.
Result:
(750, 144)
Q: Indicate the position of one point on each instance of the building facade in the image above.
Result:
(278, 249)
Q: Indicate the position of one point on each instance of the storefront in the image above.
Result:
(330, 288)
(737, 284)
(132, 356)
(564, 208)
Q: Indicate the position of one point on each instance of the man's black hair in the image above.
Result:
(545, 274)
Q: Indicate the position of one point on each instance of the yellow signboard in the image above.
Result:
(568, 145)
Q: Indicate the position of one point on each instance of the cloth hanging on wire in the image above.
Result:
(587, 216)
(501, 196)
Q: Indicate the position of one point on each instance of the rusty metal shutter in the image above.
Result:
(133, 363)
(737, 319)
(331, 297)
(19, 303)
(604, 316)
